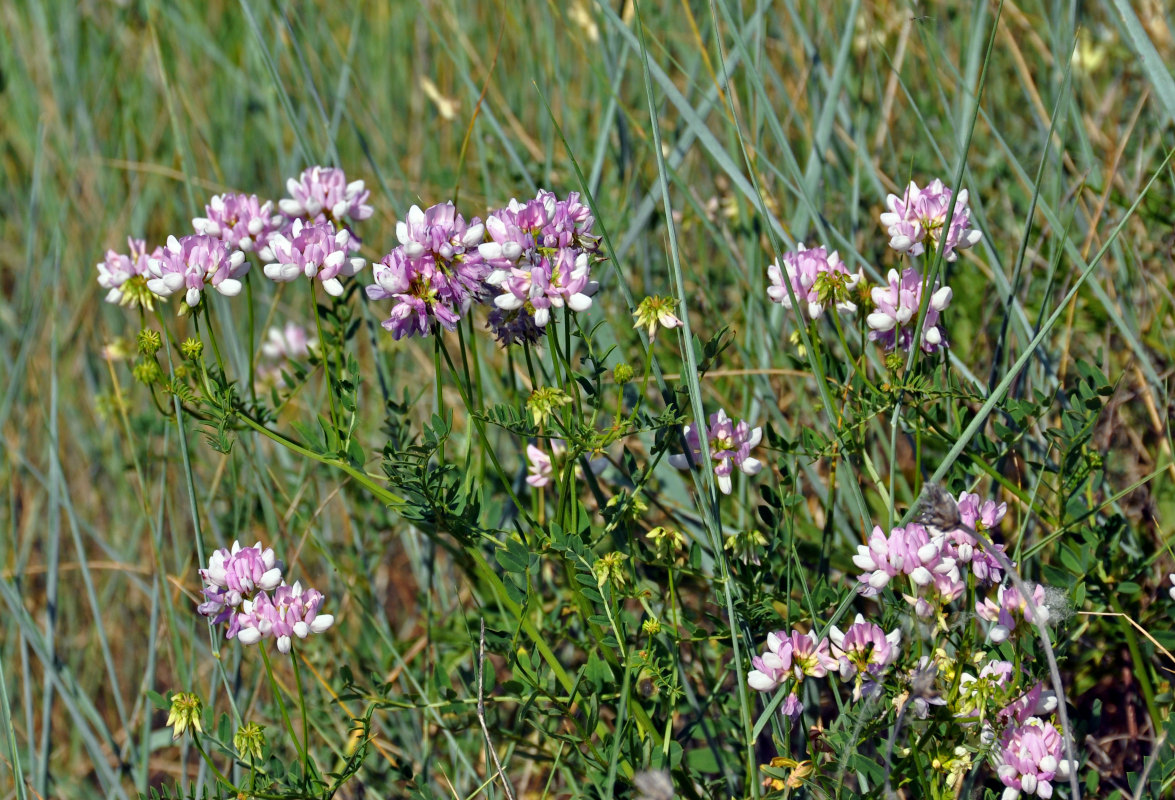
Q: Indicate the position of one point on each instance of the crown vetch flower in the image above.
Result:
(322, 191)
(240, 220)
(864, 649)
(1010, 609)
(964, 548)
(287, 343)
(817, 279)
(125, 276)
(234, 576)
(540, 468)
(906, 551)
(1030, 757)
(316, 250)
(540, 255)
(544, 282)
(290, 611)
(897, 309)
(793, 655)
(921, 214)
(730, 446)
(194, 262)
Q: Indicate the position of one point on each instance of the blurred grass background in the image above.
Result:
(122, 118)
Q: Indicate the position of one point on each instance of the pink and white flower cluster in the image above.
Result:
(241, 221)
(897, 305)
(540, 253)
(730, 445)
(323, 194)
(435, 274)
(193, 263)
(1010, 612)
(315, 250)
(933, 561)
(790, 657)
(920, 216)
(1031, 756)
(124, 276)
(817, 278)
(243, 586)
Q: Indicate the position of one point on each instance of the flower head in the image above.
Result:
(1030, 757)
(241, 221)
(793, 655)
(316, 250)
(288, 343)
(864, 649)
(249, 740)
(898, 305)
(184, 714)
(540, 255)
(818, 279)
(125, 276)
(322, 193)
(921, 214)
(1010, 611)
(730, 446)
(234, 576)
(654, 312)
(540, 467)
(544, 401)
(290, 611)
(191, 264)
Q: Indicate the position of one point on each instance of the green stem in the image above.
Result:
(252, 334)
(220, 776)
(281, 703)
(330, 389)
(305, 718)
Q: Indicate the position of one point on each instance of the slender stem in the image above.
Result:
(302, 709)
(220, 776)
(212, 336)
(281, 703)
(325, 353)
(252, 334)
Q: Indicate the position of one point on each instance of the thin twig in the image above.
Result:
(481, 711)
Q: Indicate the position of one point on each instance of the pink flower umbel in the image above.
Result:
(321, 193)
(818, 279)
(234, 576)
(965, 549)
(540, 254)
(435, 274)
(540, 468)
(1030, 757)
(920, 215)
(316, 251)
(191, 264)
(892, 324)
(906, 551)
(291, 611)
(125, 276)
(1010, 611)
(864, 650)
(241, 221)
(730, 446)
(793, 655)
(288, 343)
(281, 346)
